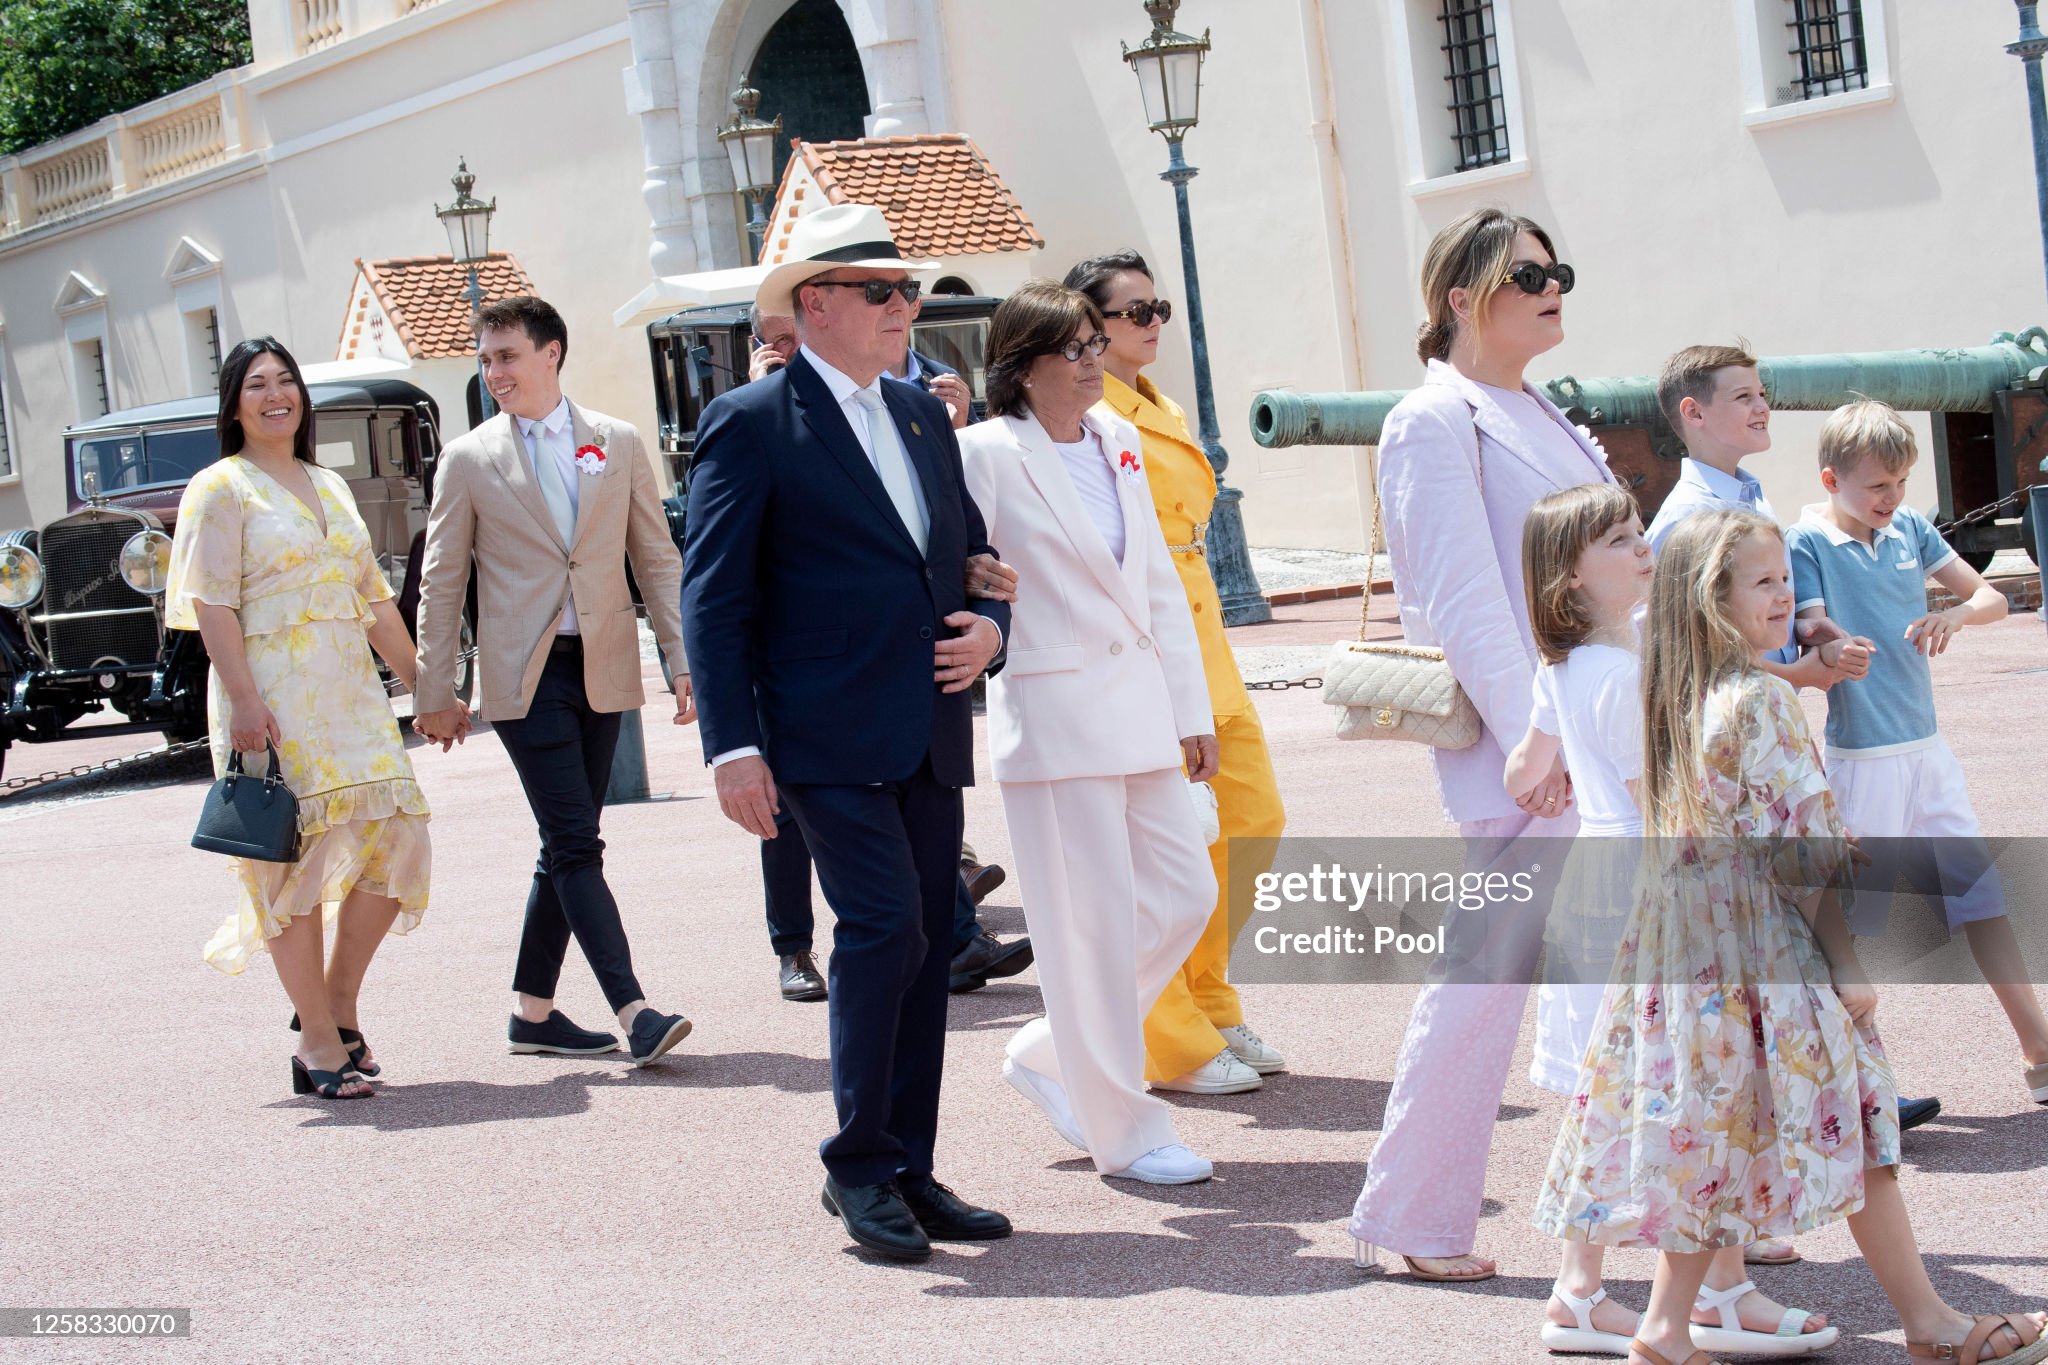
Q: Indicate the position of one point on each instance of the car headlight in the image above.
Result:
(146, 562)
(21, 576)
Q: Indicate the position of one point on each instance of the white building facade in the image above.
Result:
(1706, 180)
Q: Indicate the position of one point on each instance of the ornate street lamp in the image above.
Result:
(468, 221)
(750, 143)
(2029, 49)
(1169, 71)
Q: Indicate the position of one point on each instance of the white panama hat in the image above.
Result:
(837, 237)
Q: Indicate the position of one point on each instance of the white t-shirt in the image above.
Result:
(1095, 481)
(1593, 702)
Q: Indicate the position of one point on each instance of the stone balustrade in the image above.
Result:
(140, 149)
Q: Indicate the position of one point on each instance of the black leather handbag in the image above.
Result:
(250, 817)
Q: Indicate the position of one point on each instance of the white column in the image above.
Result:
(890, 35)
(651, 94)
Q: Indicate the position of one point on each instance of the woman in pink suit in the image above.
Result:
(1461, 461)
(1100, 703)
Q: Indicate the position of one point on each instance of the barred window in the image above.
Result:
(6, 446)
(1472, 69)
(95, 374)
(1828, 51)
(213, 338)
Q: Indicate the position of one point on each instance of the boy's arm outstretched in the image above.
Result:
(1981, 604)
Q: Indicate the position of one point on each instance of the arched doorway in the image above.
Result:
(808, 71)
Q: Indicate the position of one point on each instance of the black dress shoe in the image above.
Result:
(877, 1218)
(986, 958)
(981, 881)
(655, 1033)
(946, 1217)
(800, 977)
(1913, 1113)
(556, 1034)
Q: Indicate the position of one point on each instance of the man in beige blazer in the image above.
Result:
(549, 501)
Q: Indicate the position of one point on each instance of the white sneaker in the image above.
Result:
(1174, 1165)
(1254, 1051)
(1222, 1074)
(1049, 1095)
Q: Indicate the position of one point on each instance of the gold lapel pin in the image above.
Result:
(916, 430)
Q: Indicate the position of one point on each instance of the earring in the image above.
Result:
(1027, 383)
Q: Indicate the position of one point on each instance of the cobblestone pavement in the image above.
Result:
(492, 1208)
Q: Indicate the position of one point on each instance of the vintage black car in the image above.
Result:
(699, 353)
(81, 598)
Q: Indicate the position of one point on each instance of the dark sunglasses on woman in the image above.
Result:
(877, 291)
(1530, 277)
(1141, 314)
(1074, 350)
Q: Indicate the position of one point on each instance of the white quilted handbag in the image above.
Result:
(1398, 691)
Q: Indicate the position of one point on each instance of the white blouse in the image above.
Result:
(1088, 466)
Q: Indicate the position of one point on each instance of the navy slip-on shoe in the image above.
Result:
(1913, 1113)
(557, 1035)
(655, 1033)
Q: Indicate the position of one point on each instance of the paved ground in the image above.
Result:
(486, 1207)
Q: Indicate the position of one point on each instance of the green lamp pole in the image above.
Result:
(468, 221)
(1169, 71)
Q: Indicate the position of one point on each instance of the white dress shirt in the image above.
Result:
(554, 437)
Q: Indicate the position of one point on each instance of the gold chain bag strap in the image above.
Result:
(1398, 691)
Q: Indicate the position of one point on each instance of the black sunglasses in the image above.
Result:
(877, 291)
(1529, 277)
(1141, 314)
(1074, 350)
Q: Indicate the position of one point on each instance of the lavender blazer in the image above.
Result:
(1457, 557)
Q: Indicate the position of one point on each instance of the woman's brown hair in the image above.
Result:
(1557, 532)
(1472, 254)
(227, 425)
(1037, 320)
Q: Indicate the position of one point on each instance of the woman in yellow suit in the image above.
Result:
(1196, 1039)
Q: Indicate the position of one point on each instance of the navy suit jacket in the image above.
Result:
(808, 613)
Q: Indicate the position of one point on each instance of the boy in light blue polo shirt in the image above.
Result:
(1864, 560)
(1715, 400)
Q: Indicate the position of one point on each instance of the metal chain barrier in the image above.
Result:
(2009, 503)
(15, 784)
(1282, 684)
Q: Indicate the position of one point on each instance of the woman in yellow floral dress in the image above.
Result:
(1735, 1088)
(271, 564)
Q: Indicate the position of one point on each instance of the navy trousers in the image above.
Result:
(888, 858)
(562, 751)
(786, 888)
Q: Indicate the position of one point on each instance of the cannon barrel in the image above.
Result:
(1915, 381)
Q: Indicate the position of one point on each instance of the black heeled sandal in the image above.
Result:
(326, 1084)
(357, 1051)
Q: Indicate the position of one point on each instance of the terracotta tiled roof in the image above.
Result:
(423, 297)
(939, 193)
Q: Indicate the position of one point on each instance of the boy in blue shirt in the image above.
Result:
(1864, 559)
(1715, 401)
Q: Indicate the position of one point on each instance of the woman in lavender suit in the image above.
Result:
(1461, 461)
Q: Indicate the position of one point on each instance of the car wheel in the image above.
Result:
(465, 665)
(189, 721)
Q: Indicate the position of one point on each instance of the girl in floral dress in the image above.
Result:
(1735, 1088)
(271, 564)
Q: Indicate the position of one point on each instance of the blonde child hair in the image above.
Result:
(1689, 645)
(1557, 532)
(1866, 429)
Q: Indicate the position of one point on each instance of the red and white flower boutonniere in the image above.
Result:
(1128, 466)
(590, 458)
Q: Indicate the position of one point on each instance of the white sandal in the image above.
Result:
(1732, 1338)
(1585, 1339)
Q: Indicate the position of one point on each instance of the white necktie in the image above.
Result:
(552, 491)
(892, 462)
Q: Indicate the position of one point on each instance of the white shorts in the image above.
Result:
(1919, 794)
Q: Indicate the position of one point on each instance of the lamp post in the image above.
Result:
(468, 221)
(750, 143)
(1169, 70)
(2029, 48)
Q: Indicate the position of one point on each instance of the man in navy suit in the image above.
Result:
(826, 616)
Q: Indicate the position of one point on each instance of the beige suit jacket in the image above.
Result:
(488, 509)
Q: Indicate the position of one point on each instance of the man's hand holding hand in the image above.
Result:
(959, 661)
(746, 793)
(446, 728)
